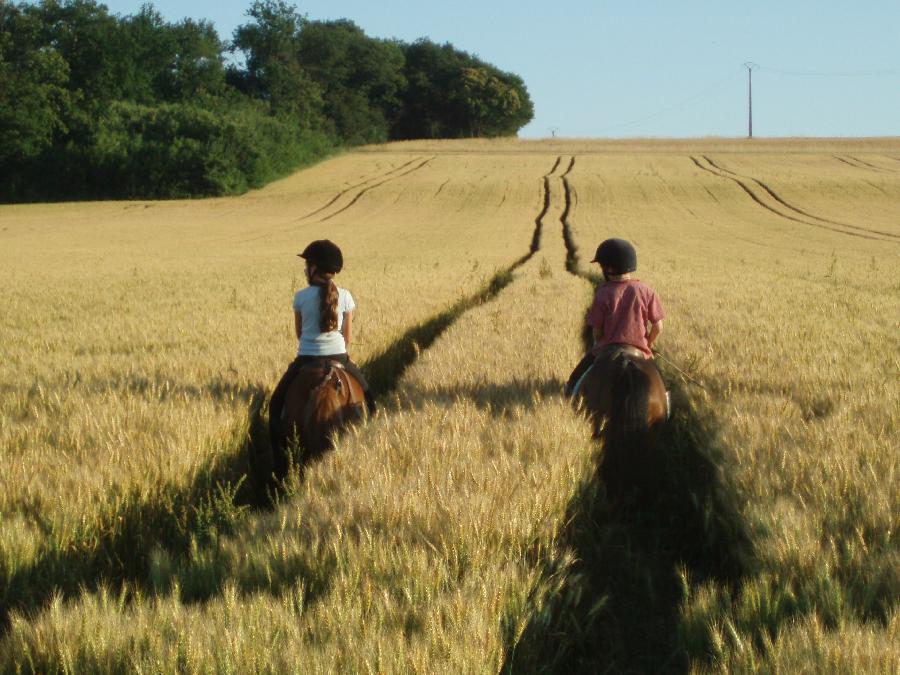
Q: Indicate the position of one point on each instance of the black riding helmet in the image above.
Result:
(325, 255)
(618, 255)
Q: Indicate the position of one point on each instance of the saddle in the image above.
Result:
(608, 353)
(337, 376)
(324, 363)
(613, 351)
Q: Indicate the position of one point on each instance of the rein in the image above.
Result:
(680, 371)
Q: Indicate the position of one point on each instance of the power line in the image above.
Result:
(701, 94)
(811, 73)
(750, 66)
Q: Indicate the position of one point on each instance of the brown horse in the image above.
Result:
(321, 399)
(626, 398)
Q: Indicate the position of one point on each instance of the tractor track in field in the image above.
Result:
(793, 208)
(359, 194)
(440, 188)
(357, 185)
(570, 201)
(385, 370)
(545, 200)
(857, 163)
(876, 236)
(386, 176)
(570, 198)
(869, 164)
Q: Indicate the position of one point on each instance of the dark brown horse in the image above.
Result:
(321, 399)
(626, 398)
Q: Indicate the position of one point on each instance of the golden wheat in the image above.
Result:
(435, 537)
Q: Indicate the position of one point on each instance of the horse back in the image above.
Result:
(322, 398)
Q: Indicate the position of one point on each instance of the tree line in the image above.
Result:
(94, 105)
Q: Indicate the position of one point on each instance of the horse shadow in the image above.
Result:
(117, 548)
(616, 605)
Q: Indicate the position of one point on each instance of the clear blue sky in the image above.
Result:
(652, 68)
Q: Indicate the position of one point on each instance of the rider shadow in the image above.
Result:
(615, 606)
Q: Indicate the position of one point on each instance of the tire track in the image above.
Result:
(569, 200)
(372, 187)
(545, 197)
(710, 193)
(795, 209)
(353, 187)
(385, 369)
(440, 188)
(869, 165)
(849, 160)
(756, 198)
(573, 259)
(848, 163)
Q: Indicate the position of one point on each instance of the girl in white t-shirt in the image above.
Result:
(323, 319)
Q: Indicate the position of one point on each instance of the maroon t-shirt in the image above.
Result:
(621, 311)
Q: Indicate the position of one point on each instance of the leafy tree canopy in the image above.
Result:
(95, 105)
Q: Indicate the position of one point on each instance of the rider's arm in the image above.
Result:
(598, 333)
(347, 328)
(655, 330)
(298, 324)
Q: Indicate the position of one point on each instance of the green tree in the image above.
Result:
(361, 78)
(493, 107)
(89, 40)
(198, 69)
(34, 99)
(273, 71)
(452, 94)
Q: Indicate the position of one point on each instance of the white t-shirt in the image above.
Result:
(313, 342)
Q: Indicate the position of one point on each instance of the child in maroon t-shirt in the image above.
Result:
(622, 309)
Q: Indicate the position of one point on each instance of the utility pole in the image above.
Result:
(750, 66)
(552, 131)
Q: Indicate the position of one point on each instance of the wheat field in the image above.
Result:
(464, 528)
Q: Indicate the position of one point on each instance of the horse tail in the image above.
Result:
(323, 414)
(626, 433)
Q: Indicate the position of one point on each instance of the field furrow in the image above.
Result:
(795, 209)
(368, 188)
(763, 202)
(362, 183)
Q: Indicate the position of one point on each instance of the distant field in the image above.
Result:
(463, 530)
